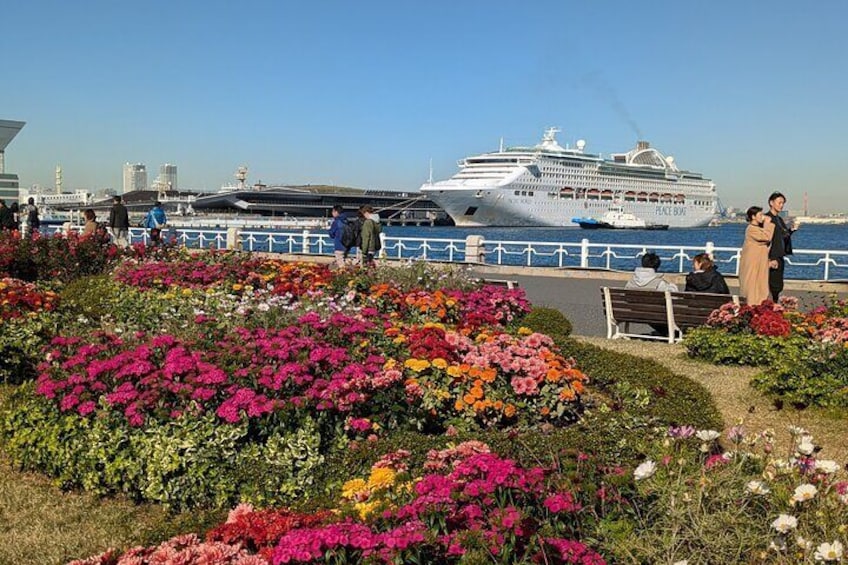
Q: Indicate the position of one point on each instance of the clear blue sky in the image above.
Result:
(364, 94)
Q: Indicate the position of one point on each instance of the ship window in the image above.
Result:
(471, 211)
(518, 193)
(530, 193)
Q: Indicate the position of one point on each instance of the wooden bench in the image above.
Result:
(510, 284)
(679, 311)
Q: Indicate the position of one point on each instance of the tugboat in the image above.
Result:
(617, 219)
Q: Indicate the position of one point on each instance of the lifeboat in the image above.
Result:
(642, 197)
(593, 193)
(653, 197)
(630, 196)
(606, 195)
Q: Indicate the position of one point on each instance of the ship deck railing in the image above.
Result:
(804, 264)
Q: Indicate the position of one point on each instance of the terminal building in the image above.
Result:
(9, 182)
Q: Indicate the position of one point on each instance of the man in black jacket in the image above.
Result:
(119, 223)
(781, 244)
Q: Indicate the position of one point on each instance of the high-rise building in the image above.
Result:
(135, 177)
(9, 182)
(167, 177)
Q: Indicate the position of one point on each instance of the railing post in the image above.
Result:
(584, 253)
(475, 251)
(382, 252)
(826, 265)
(233, 237)
(709, 249)
(305, 248)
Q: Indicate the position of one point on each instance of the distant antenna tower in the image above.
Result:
(58, 179)
(241, 176)
(806, 212)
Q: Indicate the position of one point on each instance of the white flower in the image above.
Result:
(684, 562)
(757, 487)
(805, 447)
(645, 470)
(784, 523)
(796, 431)
(707, 435)
(829, 551)
(803, 543)
(804, 493)
(827, 466)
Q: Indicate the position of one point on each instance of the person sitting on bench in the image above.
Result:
(705, 277)
(646, 277)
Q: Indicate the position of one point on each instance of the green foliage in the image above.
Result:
(724, 348)
(21, 341)
(644, 387)
(548, 321)
(192, 461)
(816, 375)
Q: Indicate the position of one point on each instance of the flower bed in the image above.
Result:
(803, 353)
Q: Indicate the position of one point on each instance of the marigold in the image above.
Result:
(455, 371)
(352, 488)
(440, 363)
(381, 477)
(509, 410)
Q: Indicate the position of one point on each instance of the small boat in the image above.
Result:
(617, 219)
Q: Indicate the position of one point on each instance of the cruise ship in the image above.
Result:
(547, 185)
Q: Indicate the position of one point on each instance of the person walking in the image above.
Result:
(781, 244)
(753, 259)
(32, 223)
(370, 235)
(705, 277)
(119, 223)
(7, 218)
(155, 221)
(336, 231)
(16, 214)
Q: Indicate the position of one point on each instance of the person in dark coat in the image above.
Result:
(336, 230)
(705, 277)
(781, 244)
(7, 219)
(119, 223)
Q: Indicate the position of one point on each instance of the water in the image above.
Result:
(824, 237)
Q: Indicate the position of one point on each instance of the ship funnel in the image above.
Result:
(642, 145)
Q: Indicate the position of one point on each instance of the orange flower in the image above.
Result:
(567, 394)
(489, 375)
(509, 410)
(459, 405)
(469, 399)
(477, 392)
(545, 411)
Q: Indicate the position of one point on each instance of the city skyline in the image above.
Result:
(366, 95)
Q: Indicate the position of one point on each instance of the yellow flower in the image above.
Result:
(365, 509)
(454, 371)
(237, 287)
(353, 487)
(440, 363)
(416, 365)
(524, 331)
(186, 292)
(381, 477)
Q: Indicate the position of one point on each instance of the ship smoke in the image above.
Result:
(604, 91)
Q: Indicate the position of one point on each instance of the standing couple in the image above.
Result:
(767, 242)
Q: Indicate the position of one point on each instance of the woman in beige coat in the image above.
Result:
(754, 261)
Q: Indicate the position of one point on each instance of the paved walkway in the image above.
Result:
(576, 293)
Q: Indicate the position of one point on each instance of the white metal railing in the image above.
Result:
(804, 264)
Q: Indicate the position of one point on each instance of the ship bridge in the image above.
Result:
(8, 182)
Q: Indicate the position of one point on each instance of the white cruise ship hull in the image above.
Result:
(548, 185)
(500, 207)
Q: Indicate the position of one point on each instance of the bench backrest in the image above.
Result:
(691, 309)
(640, 306)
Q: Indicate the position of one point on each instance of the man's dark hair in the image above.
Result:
(338, 208)
(117, 199)
(775, 195)
(651, 261)
(752, 211)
